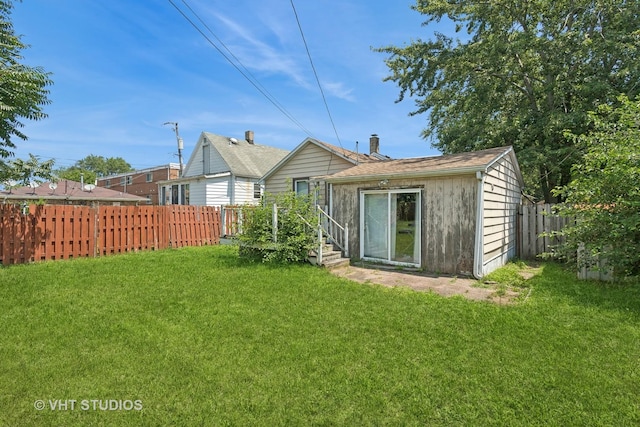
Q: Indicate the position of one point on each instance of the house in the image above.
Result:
(314, 158)
(69, 193)
(452, 214)
(141, 182)
(222, 171)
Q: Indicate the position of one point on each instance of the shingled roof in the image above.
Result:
(69, 191)
(422, 166)
(244, 158)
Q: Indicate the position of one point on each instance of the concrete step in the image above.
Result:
(336, 263)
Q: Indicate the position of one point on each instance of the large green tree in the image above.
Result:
(74, 173)
(102, 166)
(604, 194)
(519, 73)
(23, 89)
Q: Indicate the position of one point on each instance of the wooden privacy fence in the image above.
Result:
(52, 232)
(534, 221)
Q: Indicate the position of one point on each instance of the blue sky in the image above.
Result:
(123, 68)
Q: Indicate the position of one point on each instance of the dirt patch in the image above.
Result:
(443, 285)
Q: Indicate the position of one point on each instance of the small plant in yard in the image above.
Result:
(295, 230)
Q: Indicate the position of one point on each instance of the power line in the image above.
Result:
(246, 74)
(324, 99)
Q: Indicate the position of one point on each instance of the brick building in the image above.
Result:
(142, 182)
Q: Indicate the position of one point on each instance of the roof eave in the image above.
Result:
(404, 175)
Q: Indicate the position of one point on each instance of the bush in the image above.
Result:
(296, 229)
(604, 195)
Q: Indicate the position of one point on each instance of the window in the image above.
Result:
(184, 194)
(129, 180)
(390, 221)
(149, 177)
(301, 186)
(257, 191)
(108, 183)
(123, 181)
(149, 199)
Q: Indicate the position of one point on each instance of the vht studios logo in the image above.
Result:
(88, 405)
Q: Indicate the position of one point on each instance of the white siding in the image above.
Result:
(244, 192)
(197, 193)
(502, 196)
(217, 191)
(196, 163)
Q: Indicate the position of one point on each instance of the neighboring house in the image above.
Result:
(452, 214)
(314, 158)
(222, 171)
(141, 182)
(65, 192)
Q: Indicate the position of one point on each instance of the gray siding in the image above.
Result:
(448, 219)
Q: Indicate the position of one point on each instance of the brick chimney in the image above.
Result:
(374, 144)
(248, 135)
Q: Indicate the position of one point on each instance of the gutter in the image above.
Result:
(479, 241)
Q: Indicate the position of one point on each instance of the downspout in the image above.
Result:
(478, 253)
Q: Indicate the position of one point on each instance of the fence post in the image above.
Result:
(346, 240)
(319, 262)
(275, 223)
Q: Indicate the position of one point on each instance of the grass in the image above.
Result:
(201, 338)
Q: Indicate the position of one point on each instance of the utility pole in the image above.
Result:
(174, 126)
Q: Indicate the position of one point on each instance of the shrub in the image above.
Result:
(604, 195)
(296, 229)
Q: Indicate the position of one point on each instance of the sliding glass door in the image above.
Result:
(390, 226)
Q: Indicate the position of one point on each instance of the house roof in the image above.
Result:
(68, 190)
(348, 155)
(243, 158)
(450, 164)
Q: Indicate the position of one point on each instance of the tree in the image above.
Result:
(520, 74)
(604, 194)
(22, 172)
(22, 88)
(103, 166)
(74, 173)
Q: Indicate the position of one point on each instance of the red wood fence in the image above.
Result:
(60, 232)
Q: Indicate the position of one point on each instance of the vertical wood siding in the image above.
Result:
(448, 219)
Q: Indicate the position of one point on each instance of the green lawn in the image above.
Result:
(197, 337)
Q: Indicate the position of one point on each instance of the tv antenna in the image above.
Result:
(174, 126)
(33, 185)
